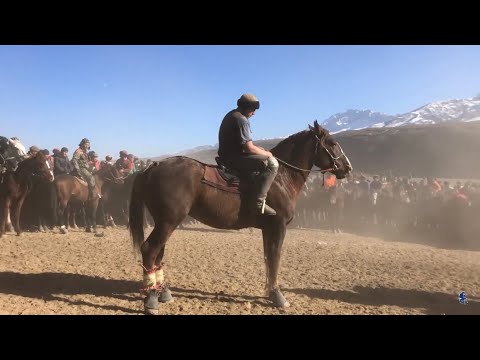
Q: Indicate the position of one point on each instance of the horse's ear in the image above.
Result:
(316, 124)
(311, 128)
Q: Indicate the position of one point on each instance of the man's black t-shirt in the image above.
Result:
(234, 133)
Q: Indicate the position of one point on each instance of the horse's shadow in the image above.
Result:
(55, 286)
(51, 287)
(220, 296)
(432, 303)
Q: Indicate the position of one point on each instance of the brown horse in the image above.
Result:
(173, 189)
(70, 188)
(16, 185)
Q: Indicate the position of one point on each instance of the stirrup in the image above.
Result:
(264, 209)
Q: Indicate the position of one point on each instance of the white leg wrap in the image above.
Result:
(149, 280)
(160, 277)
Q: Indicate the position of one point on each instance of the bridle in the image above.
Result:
(332, 158)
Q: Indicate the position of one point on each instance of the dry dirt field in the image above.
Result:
(222, 272)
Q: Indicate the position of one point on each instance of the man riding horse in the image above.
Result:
(81, 164)
(237, 151)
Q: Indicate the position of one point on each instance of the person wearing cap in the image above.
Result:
(62, 164)
(33, 150)
(81, 164)
(124, 165)
(93, 161)
(131, 158)
(237, 151)
(108, 160)
(49, 157)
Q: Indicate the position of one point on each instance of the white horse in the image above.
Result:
(22, 151)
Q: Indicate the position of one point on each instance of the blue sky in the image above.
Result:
(154, 100)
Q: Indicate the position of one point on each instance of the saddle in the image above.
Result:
(80, 180)
(223, 178)
(77, 177)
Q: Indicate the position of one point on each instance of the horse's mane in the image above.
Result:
(285, 147)
(300, 136)
(28, 164)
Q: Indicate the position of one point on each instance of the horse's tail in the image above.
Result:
(136, 209)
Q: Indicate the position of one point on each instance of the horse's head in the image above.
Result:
(41, 167)
(110, 173)
(329, 155)
(12, 152)
(19, 147)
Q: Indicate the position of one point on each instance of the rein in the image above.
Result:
(297, 168)
(323, 171)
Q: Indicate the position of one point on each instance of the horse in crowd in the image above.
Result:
(70, 188)
(15, 185)
(173, 189)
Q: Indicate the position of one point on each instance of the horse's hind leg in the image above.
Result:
(152, 249)
(273, 235)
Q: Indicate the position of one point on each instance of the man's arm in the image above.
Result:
(68, 166)
(250, 148)
(247, 142)
(75, 158)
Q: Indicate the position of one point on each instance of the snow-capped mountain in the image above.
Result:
(439, 112)
(355, 120)
(464, 110)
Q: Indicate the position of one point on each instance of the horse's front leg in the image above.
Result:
(4, 204)
(8, 221)
(165, 293)
(17, 209)
(273, 235)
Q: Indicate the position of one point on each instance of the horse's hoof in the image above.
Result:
(165, 296)
(278, 299)
(150, 311)
(19, 234)
(63, 230)
(151, 303)
(88, 229)
(8, 228)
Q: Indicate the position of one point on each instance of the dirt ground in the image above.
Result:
(222, 272)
